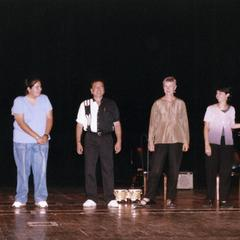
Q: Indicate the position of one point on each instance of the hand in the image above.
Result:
(43, 139)
(151, 147)
(79, 148)
(118, 147)
(185, 147)
(208, 150)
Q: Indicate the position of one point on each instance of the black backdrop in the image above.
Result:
(133, 45)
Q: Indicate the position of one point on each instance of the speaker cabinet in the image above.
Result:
(185, 180)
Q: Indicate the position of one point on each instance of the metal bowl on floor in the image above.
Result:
(121, 195)
(135, 194)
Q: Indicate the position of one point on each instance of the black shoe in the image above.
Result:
(170, 204)
(147, 201)
(225, 204)
(208, 204)
(144, 203)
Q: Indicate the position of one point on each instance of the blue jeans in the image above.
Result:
(31, 156)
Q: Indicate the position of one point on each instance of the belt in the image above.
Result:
(100, 133)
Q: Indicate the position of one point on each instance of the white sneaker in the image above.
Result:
(42, 204)
(113, 204)
(18, 204)
(89, 203)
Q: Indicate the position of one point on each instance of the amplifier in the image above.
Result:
(185, 180)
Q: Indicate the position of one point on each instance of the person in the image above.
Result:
(98, 117)
(168, 137)
(32, 126)
(219, 120)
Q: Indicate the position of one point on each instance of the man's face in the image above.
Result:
(169, 88)
(97, 89)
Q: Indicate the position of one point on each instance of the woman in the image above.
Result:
(219, 120)
(32, 126)
(168, 137)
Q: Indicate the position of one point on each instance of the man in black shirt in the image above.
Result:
(99, 117)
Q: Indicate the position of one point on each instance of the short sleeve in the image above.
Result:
(48, 104)
(116, 114)
(81, 118)
(208, 115)
(18, 106)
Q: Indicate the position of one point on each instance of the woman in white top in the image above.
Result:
(219, 120)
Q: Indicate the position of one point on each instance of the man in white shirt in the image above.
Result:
(98, 117)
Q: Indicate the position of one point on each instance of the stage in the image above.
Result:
(66, 219)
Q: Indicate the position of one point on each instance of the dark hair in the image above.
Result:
(30, 82)
(225, 90)
(97, 80)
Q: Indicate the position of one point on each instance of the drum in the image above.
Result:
(121, 195)
(135, 194)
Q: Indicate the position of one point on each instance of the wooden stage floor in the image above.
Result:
(65, 219)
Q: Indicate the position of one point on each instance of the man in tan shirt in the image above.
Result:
(168, 137)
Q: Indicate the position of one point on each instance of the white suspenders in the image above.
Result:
(88, 113)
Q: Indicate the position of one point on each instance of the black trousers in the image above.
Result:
(96, 147)
(164, 152)
(220, 162)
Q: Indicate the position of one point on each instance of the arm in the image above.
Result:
(23, 125)
(81, 123)
(185, 129)
(79, 130)
(49, 122)
(118, 133)
(236, 126)
(43, 139)
(208, 150)
(151, 129)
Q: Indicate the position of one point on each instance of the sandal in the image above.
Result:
(145, 201)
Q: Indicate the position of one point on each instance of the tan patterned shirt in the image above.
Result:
(168, 122)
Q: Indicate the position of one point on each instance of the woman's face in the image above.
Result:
(169, 88)
(222, 97)
(35, 90)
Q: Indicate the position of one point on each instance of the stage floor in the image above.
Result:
(66, 219)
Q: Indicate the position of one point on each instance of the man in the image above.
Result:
(98, 117)
(168, 137)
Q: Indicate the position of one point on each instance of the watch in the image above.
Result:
(45, 134)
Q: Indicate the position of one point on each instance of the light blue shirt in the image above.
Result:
(35, 116)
